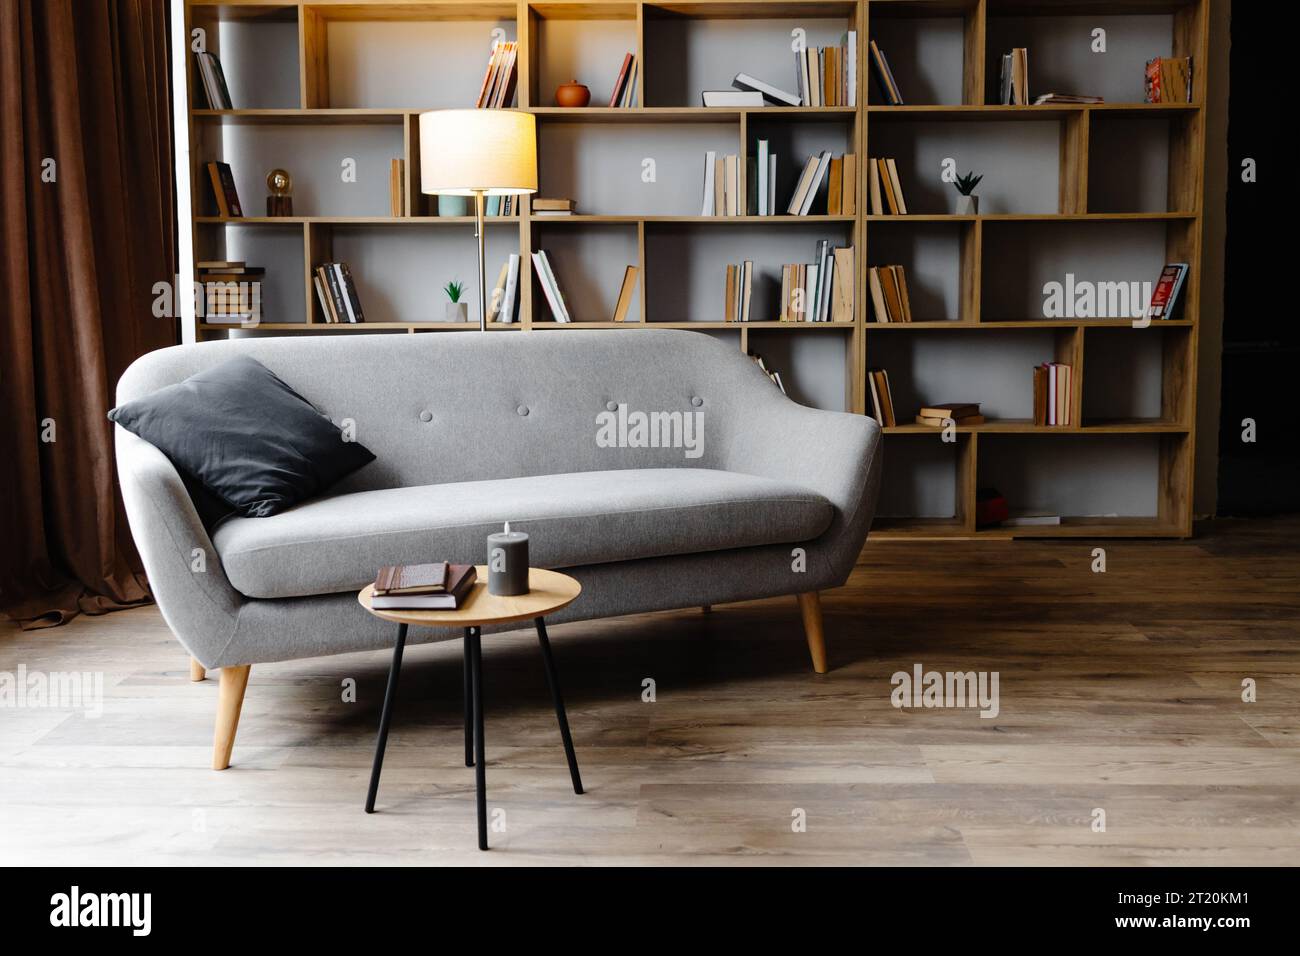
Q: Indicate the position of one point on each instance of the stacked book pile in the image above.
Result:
(214, 81)
(884, 188)
(498, 88)
(884, 76)
(1053, 391)
(550, 286)
(770, 373)
(888, 287)
(503, 304)
(1068, 99)
(231, 290)
(740, 282)
(337, 292)
(430, 587)
(882, 402)
(1014, 81)
(546, 208)
(959, 413)
(1169, 79)
(819, 291)
(624, 93)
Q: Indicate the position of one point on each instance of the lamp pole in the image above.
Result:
(482, 267)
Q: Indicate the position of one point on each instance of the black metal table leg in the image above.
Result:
(469, 702)
(480, 761)
(553, 681)
(390, 695)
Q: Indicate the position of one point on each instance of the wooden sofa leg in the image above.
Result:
(197, 673)
(810, 606)
(230, 699)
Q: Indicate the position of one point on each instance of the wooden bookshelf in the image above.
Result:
(330, 77)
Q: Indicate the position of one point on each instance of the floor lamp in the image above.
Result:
(478, 153)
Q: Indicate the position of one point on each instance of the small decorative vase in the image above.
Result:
(572, 94)
(968, 205)
(453, 205)
(457, 311)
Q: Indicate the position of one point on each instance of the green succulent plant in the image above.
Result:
(966, 184)
(454, 290)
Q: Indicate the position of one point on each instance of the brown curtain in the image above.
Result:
(88, 213)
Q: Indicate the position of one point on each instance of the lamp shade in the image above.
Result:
(491, 151)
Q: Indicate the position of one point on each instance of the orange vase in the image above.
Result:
(572, 94)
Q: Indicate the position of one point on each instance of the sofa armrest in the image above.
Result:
(185, 574)
(836, 454)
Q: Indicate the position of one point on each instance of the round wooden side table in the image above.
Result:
(548, 591)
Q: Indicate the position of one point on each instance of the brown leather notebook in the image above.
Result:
(412, 578)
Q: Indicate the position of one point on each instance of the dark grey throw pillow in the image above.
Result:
(245, 436)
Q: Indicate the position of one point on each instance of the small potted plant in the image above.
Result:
(968, 204)
(457, 311)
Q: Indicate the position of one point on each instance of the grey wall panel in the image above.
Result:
(1061, 59)
(1139, 182)
(604, 166)
(930, 254)
(1073, 475)
(1020, 162)
(280, 250)
(925, 56)
(687, 57)
(260, 62)
(686, 265)
(920, 477)
(412, 65)
(1122, 373)
(400, 270)
(994, 368)
(314, 156)
(1021, 258)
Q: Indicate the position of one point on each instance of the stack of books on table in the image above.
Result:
(819, 291)
(888, 288)
(552, 207)
(882, 401)
(740, 281)
(884, 188)
(430, 587)
(498, 89)
(503, 303)
(232, 293)
(337, 292)
(1053, 390)
(959, 413)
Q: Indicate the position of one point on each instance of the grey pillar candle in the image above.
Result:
(507, 562)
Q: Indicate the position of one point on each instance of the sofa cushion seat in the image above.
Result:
(337, 543)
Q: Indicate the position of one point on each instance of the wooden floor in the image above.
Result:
(1119, 691)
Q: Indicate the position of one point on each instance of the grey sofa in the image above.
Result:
(535, 428)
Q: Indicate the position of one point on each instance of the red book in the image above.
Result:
(622, 79)
(1165, 297)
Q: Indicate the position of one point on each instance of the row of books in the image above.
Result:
(884, 188)
(1053, 390)
(498, 88)
(882, 402)
(821, 290)
(774, 375)
(503, 303)
(888, 288)
(828, 75)
(397, 188)
(1013, 84)
(1169, 79)
(339, 301)
(740, 283)
(840, 173)
(213, 80)
(884, 75)
(550, 287)
(722, 184)
(624, 91)
(222, 178)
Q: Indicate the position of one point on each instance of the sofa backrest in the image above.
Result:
(440, 407)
